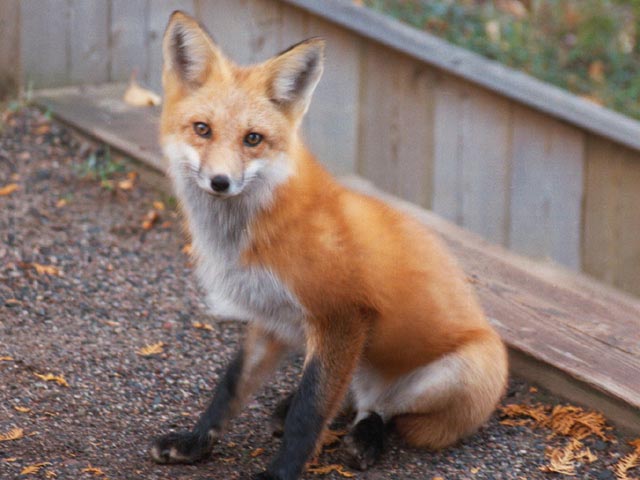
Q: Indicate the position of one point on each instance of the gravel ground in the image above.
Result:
(123, 287)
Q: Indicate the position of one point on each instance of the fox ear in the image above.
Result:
(294, 74)
(188, 50)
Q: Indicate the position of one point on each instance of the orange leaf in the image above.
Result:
(158, 205)
(636, 444)
(126, 184)
(13, 434)
(153, 349)
(93, 470)
(596, 71)
(33, 468)
(202, 326)
(6, 359)
(257, 452)
(323, 470)
(46, 270)
(61, 203)
(9, 189)
(50, 377)
(187, 249)
(21, 409)
(150, 219)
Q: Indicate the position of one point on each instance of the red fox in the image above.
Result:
(371, 296)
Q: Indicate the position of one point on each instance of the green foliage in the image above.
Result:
(100, 166)
(589, 47)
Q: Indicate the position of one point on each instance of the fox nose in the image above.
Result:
(220, 183)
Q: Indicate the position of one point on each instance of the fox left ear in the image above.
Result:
(294, 74)
(188, 50)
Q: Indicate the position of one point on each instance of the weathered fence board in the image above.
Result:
(612, 214)
(88, 41)
(547, 185)
(9, 47)
(128, 39)
(44, 42)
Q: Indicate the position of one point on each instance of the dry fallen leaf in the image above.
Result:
(329, 437)
(9, 189)
(202, 326)
(257, 452)
(636, 444)
(475, 470)
(323, 470)
(46, 270)
(50, 377)
(20, 409)
(150, 219)
(512, 7)
(61, 203)
(6, 359)
(34, 468)
(153, 349)
(13, 434)
(50, 474)
(158, 205)
(93, 470)
(140, 97)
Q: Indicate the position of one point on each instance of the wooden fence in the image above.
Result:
(519, 162)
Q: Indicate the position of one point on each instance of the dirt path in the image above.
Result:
(84, 286)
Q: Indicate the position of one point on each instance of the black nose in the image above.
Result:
(220, 183)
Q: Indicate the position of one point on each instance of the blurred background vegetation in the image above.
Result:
(589, 47)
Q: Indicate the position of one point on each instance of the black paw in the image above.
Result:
(265, 476)
(280, 415)
(365, 443)
(183, 447)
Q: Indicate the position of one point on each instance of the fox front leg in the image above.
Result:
(331, 358)
(254, 361)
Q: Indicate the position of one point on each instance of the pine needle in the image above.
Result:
(326, 469)
(625, 464)
(34, 468)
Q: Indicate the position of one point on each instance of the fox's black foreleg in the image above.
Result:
(331, 358)
(252, 363)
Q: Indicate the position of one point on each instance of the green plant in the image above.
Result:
(101, 166)
(589, 47)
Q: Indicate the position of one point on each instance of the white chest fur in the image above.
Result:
(220, 233)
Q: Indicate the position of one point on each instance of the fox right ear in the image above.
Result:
(189, 52)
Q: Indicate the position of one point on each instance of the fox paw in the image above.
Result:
(183, 447)
(365, 443)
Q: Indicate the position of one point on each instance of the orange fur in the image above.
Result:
(379, 290)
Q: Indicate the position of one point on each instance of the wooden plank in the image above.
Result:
(485, 164)
(158, 17)
(293, 26)
(89, 41)
(9, 47)
(100, 112)
(612, 216)
(447, 158)
(628, 271)
(378, 123)
(470, 66)
(396, 125)
(546, 188)
(332, 121)
(228, 23)
(603, 176)
(44, 42)
(128, 39)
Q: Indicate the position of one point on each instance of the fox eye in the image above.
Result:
(202, 129)
(252, 139)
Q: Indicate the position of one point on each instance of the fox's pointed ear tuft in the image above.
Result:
(189, 51)
(294, 74)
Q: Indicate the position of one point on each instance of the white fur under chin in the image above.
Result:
(220, 228)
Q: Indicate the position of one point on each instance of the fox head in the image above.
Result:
(228, 129)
